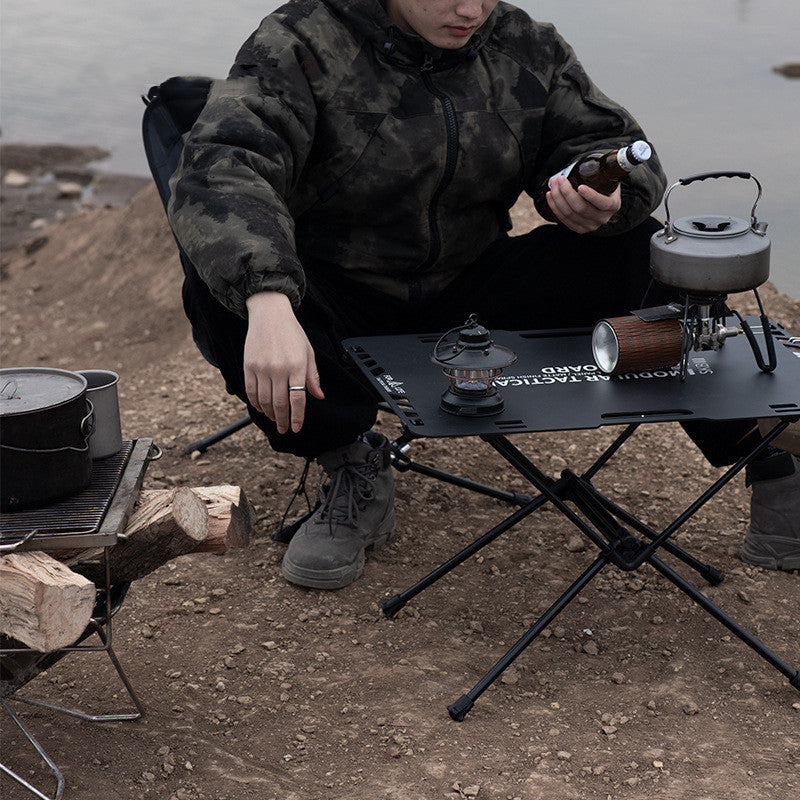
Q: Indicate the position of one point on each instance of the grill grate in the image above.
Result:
(81, 513)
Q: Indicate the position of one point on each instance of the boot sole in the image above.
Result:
(341, 576)
(758, 558)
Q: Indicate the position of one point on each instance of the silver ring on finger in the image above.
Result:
(297, 388)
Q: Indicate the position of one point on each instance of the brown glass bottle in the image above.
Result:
(601, 171)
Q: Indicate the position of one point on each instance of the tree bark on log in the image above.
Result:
(43, 603)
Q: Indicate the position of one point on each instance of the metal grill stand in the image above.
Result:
(720, 386)
(94, 518)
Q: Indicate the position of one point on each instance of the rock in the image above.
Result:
(576, 544)
(789, 70)
(69, 189)
(510, 676)
(37, 243)
(590, 648)
(608, 730)
(691, 708)
(16, 180)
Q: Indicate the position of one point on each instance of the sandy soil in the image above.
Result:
(258, 689)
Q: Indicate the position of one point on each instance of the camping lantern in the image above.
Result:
(471, 364)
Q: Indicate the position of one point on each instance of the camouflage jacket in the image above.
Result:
(341, 141)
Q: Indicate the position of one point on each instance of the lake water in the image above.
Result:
(696, 73)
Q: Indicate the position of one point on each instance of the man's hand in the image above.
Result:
(278, 355)
(584, 210)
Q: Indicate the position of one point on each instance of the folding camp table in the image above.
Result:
(555, 385)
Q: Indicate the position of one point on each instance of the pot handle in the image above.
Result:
(755, 225)
(44, 449)
(88, 423)
(87, 429)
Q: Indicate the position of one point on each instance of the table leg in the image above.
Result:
(394, 604)
(737, 630)
(461, 707)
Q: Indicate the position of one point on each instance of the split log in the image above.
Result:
(231, 517)
(43, 603)
(166, 525)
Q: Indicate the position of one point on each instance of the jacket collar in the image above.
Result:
(369, 18)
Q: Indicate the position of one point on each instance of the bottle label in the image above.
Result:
(640, 151)
(564, 172)
(623, 161)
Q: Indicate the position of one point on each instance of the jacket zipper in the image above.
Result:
(451, 127)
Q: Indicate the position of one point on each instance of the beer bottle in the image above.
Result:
(601, 171)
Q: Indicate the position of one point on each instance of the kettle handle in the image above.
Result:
(706, 175)
(759, 228)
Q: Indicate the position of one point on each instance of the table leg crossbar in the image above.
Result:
(614, 532)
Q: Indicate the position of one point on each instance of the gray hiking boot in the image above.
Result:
(773, 539)
(356, 513)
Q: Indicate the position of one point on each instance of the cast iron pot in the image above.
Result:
(45, 424)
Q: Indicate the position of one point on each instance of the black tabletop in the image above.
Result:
(555, 385)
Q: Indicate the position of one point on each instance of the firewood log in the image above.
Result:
(43, 603)
(165, 525)
(231, 517)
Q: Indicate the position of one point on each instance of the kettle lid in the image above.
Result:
(711, 226)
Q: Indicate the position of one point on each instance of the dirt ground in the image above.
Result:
(255, 688)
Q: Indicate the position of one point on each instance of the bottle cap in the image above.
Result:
(641, 151)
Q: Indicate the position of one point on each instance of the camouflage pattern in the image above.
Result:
(341, 141)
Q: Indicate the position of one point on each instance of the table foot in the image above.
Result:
(461, 707)
(713, 575)
(392, 605)
(734, 627)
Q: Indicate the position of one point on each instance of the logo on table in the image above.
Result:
(590, 373)
(391, 385)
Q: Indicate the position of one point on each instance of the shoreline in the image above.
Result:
(42, 184)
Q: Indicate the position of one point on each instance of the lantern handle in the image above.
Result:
(472, 319)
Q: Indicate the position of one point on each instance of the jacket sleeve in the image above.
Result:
(578, 119)
(240, 162)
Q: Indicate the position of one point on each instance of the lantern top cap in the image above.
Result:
(473, 349)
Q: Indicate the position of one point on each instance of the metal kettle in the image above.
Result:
(711, 255)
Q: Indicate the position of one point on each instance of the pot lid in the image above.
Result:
(25, 389)
(711, 226)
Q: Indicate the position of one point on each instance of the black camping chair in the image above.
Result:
(171, 110)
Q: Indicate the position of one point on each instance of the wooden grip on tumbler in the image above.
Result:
(646, 345)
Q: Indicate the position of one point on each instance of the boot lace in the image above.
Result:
(351, 487)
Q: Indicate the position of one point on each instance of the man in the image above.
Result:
(353, 176)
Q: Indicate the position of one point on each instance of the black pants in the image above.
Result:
(548, 278)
